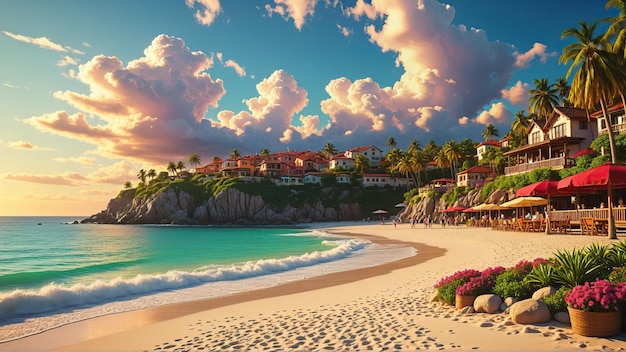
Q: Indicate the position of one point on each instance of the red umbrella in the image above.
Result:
(541, 188)
(454, 208)
(469, 210)
(606, 176)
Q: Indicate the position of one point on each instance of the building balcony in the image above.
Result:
(554, 164)
(619, 128)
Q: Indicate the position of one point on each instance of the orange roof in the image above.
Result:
(491, 142)
(612, 108)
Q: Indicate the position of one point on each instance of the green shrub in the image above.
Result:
(542, 275)
(556, 302)
(600, 255)
(447, 292)
(575, 268)
(518, 289)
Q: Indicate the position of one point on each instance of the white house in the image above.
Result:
(313, 178)
(374, 154)
(483, 147)
(340, 161)
(291, 180)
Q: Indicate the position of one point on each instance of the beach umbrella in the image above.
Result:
(380, 211)
(606, 176)
(541, 188)
(454, 208)
(469, 210)
(522, 202)
(400, 205)
(443, 180)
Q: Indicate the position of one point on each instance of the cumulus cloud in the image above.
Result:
(232, 64)
(65, 179)
(517, 94)
(207, 12)
(43, 43)
(297, 10)
(280, 98)
(450, 73)
(151, 109)
(538, 50)
(497, 114)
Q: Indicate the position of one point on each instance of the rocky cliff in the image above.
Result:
(434, 206)
(230, 206)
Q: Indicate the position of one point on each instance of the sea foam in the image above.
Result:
(55, 297)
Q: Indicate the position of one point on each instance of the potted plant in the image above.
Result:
(467, 293)
(595, 308)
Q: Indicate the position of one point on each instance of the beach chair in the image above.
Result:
(588, 227)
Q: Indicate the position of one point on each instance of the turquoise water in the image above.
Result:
(47, 263)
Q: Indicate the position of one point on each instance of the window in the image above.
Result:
(558, 131)
(535, 138)
(582, 125)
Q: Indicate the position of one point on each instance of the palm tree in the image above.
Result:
(152, 174)
(517, 133)
(442, 161)
(431, 150)
(194, 160)
(180, 165)
(490, 132)
(598, 76)
(392, 158)
(562, 86)
(362, 163)
(128, 185)
(405, 166)
(171, 167)
(543, 98)
(141, 175)
(235, 154)
(617, 27)
(453, 153)
(329, 150)
(391, 143)
(414, 146)
(266, 153)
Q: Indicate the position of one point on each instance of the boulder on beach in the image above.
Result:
(544, 292)
(488, 303)
(530, 311)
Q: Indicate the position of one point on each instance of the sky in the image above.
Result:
(93, 91)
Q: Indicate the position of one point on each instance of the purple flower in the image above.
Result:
(597, 296)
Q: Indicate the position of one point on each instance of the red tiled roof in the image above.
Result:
(360, 149)
(476, 170)
(491, 142)
(612, 108)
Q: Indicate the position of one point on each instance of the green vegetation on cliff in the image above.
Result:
(202, 188)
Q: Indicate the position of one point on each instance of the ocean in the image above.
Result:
(54, 272)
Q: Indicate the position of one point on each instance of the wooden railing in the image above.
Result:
(554, 163)
(575, 215)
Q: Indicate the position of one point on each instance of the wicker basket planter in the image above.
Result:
(595, 324)
(464, 301)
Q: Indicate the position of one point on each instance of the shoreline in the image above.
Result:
(376, 305)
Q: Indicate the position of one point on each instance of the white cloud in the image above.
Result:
(42, 42)
(25, 145)
(11, 85)
(66, 61)
(538, 50)
(517, 94)
(79, 160)
(497, 114)
(209, 9)
(297, 10)
(345, 31)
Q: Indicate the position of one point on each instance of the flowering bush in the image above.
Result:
(480, 284)
(597, 296)
(463, 275)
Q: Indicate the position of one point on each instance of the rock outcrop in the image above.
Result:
(231, 207)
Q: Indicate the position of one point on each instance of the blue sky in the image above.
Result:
(92, 91)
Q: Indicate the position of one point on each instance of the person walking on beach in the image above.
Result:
(443, 221)
(426, 219)
(393, 222)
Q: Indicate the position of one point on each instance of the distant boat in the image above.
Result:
(39, 223)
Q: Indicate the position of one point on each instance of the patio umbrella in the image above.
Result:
(400, 205)
(606, 176)
(521, 202)
(454, 208)
(541, 188)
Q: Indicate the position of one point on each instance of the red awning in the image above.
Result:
(541, 188)
(454, 208)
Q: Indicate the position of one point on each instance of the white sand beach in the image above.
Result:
(379, 308)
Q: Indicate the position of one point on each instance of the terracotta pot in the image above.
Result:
(464, 301)
(595, 324)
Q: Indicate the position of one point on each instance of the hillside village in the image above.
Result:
(553, 142)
